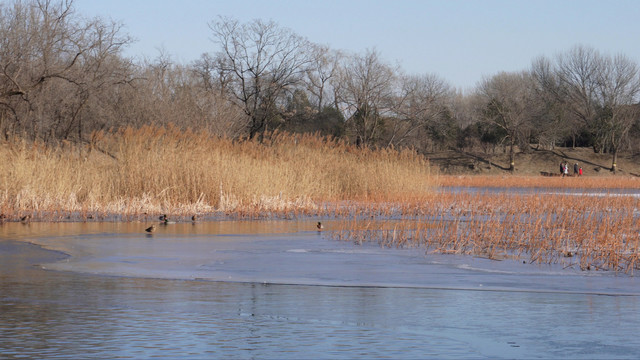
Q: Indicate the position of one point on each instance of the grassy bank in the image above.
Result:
(167, 170)
(535, 162)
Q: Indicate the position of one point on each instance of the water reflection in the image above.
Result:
(541, 190)
(67, 314)
(46, 229)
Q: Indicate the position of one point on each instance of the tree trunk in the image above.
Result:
(512, 157)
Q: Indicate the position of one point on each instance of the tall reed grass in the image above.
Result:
(167, 170)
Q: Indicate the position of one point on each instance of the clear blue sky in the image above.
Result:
(462, 41)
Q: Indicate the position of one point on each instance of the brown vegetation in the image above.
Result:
(158, 170)
(64, 77)
(577, 230)
(386, 195)
(178, 140)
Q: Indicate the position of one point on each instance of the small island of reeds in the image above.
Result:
(155, 170)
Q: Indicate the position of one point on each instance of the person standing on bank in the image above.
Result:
(575, 169)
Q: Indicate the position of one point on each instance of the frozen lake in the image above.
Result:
(280, 289)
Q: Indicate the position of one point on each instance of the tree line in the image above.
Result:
(63, 77)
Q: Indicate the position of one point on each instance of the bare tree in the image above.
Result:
(367, 94)
(321, 71)
(422, 105)
(211, 74)
(465, 118)
(51, 64)
(222, 116)
(618, 90)
(507, 103)
(576, 74)
(262, 62)
(599, 91)
(553, 122)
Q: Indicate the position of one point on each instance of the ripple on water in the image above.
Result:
(384, 303)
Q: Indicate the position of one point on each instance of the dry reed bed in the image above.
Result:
(589, 232)
(152, 170)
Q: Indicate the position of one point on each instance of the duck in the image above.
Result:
(150, 229)
(25, 219)
(320, 226)
(194, 218)
(165, 220)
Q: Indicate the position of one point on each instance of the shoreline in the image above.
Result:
(520, 184)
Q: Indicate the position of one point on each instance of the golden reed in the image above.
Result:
(382, 195)
(582, 231)
(154, 170)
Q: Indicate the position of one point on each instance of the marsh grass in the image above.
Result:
(154, 170)
(380, 195)
(579, 231)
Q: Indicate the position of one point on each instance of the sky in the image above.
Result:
(461, 41)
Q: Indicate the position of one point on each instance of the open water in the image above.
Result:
(280, 289)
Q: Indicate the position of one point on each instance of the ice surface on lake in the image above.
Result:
(238, 300)
(312, 258)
